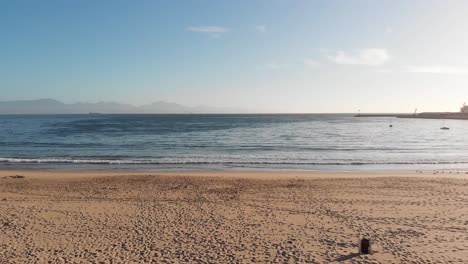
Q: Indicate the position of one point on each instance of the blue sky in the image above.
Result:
(276, 56)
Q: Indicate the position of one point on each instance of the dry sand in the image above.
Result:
(232, 217)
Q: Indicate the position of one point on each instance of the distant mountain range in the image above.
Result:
(51, 106)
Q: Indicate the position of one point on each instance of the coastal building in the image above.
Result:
(464, 108)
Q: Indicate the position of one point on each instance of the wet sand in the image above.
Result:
(232, 217)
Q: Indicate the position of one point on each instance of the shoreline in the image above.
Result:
(253, 174)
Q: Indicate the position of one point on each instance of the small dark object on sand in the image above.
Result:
(365, 246)
(17, 177)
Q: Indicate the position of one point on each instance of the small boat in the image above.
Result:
(390, 125)
(445, 128)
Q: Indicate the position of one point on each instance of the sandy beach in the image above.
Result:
(232, 217)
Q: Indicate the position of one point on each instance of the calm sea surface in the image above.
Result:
(210, 142)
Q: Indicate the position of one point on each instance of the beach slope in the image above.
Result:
(232, 217)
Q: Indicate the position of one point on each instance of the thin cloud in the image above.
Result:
(309, 63)
(438, 69)
(261, 28)
(276, 66)
(208, 29)
(383, 70)
(369, 57)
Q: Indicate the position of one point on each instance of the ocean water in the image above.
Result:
(231, 142)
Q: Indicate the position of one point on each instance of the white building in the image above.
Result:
(464, 108)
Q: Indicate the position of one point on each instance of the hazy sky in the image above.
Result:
(281, 56)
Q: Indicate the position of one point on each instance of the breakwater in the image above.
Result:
(427, 115)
